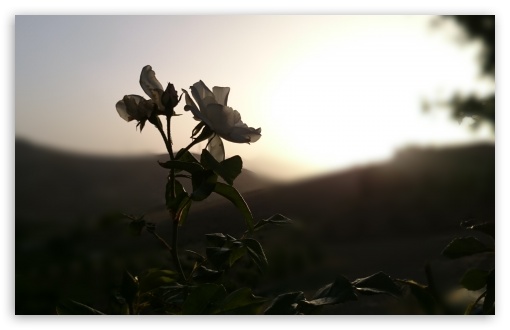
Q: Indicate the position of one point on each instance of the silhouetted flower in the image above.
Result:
(135, 107)
(226, 122)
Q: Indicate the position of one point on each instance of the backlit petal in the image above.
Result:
(221, 118)
(221, 94)
(243, 134)
(216, 149)
(202, 94)
(149, 82)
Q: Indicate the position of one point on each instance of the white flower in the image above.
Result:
(135, 106)
(223, 120)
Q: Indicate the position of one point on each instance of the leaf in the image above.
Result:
(228, 169)
(181, 165)
(231, 168)
(233, 195)
(423, 296)
(71, 307)
(337, 292)
(218, 256)
(465, 246)
(155, 278)
(180, 194)
(474, 279)
(186, 156)
(203, 298)
(240, 302)
(488, 228)
(490, 296)
(204, 183)
(216, 239)
(238, 250)
(276, 219)
(203, 274)
(256, 253)
(285, 304)
(129, 287)
(377, 283)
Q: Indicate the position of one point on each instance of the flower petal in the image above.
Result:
(221, 94)
(190, 105)
(241, 134)
(129, 108)
(216, 149)
(149, 83)
(221, 118)
(202, 94)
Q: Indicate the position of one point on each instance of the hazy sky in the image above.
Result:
(327, 91)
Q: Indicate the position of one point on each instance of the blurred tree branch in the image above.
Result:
(480, 109)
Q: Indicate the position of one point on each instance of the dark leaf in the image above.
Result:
(490, 296)
(196, 255)
(203, 298)
(186, 156)
(424, 297)
(474, 279)
(156, 278)
(334, 293)
(377, 283)
(233, 195)
(276, 219)
(129, 287)
(180, 165)
(238, 250)
(204, 183)
(256, 253)
(228, 169)
(203, 274)
(71, 307)
(218, 256)
(488, 228)
(285, 304)
(240, 302)
(465, 246)
(174, 294)
(216, 239)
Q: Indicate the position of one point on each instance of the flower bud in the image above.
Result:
(170, 98)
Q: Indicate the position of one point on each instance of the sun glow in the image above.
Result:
(358, 98)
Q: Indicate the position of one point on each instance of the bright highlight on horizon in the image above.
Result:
(327, 91)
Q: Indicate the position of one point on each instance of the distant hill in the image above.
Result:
(63, 186)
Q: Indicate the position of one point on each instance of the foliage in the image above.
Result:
(205, 286)
(480, 28)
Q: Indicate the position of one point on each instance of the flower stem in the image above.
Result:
(171, 178)
(175, 235)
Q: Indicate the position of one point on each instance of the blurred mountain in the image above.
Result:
(54, 185)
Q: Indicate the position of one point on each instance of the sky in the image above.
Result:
(328, 91)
